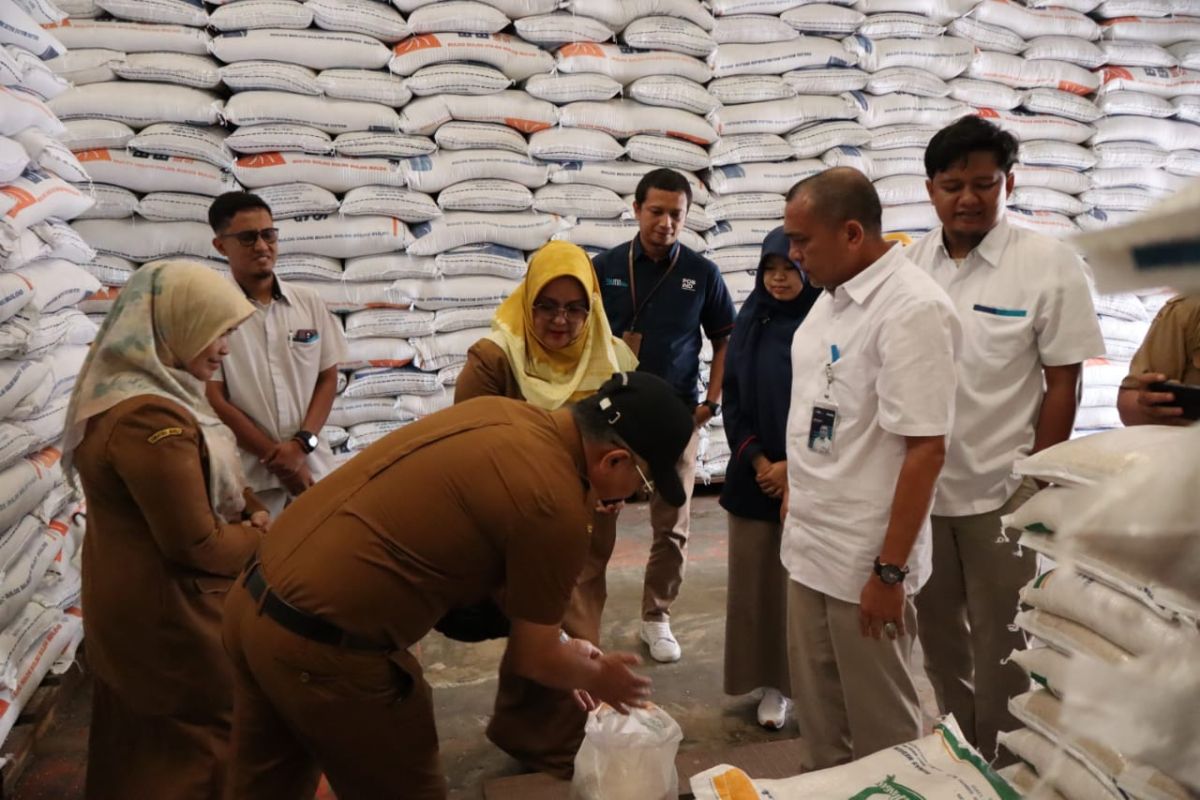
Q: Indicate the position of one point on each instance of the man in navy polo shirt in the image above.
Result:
(659, 296)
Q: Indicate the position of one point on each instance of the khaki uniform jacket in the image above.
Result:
(1172, 346)
(157, 562)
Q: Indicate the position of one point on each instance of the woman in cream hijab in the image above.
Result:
(165, 535)
(550, 345)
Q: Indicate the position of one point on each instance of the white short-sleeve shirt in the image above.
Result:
(272, 367)
(896, 336)
(1024, 303)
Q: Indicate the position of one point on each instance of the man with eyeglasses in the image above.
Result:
(661, 297)
(277, 385)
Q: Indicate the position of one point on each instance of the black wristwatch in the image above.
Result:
(308, 441)
(890, 573)
(715, 408)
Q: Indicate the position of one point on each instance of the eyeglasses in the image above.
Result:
(647, 484)
(250, 238)
(571, 312)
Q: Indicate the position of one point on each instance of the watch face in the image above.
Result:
(891, 574)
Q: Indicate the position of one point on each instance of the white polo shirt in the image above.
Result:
(1024, 302)
(272, 367)
(896, 336)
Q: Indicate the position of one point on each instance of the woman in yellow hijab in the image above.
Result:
(165, 535)
(550, 345)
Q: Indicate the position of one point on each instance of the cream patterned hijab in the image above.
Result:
(167, 314)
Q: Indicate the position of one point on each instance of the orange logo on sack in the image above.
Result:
(99, 154)
(423, 42)
(581, 49)
(1074, 88)
(687, 137)
(526, 125)
(1115, 73)
(262, 160)
(987, 113)
(24, 199)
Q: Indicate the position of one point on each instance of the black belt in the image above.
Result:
(298, 622)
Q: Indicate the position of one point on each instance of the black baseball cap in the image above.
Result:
(649, 415)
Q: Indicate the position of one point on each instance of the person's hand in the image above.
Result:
(618, 685)
(773, 479)
(297, 483)
(1156, 405)
(879, 605)
(285, 459)
(260, 520)
(609, 508)
(584, 699)
(702, 414)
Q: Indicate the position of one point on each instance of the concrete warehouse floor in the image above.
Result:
(464, 676)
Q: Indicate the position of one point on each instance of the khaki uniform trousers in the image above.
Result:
(756, 609)
(543, 727)
(668, 549)
(966, 610)
(854, 695)
(301, 708)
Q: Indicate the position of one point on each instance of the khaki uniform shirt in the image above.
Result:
(486, 373)
(1172, 346)
(272, 369)
(439, 515)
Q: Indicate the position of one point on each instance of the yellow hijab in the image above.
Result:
(551, 378)
(165, 315)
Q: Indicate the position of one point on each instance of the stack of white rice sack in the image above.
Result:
(1118, 519)
(43, 342)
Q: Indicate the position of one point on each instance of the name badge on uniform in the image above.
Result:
(633, 339)
(822, 427)
(305, 336)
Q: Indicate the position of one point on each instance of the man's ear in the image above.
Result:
(616, 457)
(219, 245)
(1010, 180)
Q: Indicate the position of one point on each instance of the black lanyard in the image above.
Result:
(637, 309)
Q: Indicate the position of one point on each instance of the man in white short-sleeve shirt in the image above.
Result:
(1028, 324)
(276, 386)
(873, 384)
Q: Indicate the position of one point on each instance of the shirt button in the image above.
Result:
(305, 677)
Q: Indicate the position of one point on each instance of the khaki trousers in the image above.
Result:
(301, 708)
(668, 549)
(966, 610)
(543, 727)
(756, 653)
(854, 695)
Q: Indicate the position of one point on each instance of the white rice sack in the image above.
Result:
(441, 350)
(38, 196)
(183, 141)
(450, 320)
(1183, 162)
(627, 64)
(462, 16)
(199, 72)
(271, 76)
(899, 25)
(349, 411)
(376, 20)
(567, 144)
(513, 9)
(342, 296)
(435, 172)
(63, 242)
(1163, 183)
(1056, 154)
(24, 248)
(146, 241)
(1056, 771)
(668, 33)
(823, 19)
(1030, 23)
(1121, 199)
(579, 200)
(138, 104)
(482, 259)
(131, 37)
(1049, 223)
(15, 294)
(737, 259)
(383, 145)
(1037, 198)
(385, 352)
(523, 231)
(773, 58)
(744, 148)
(910, 218)
(1163, 31)
(16, 441)
(1021, 73)
(24, 385)
(342, 237)
(362, 436)
(145, 172)
(909, 80)
(826, 80)
(1128, 154)
(23, 485)
(36, 76)
(322, 113)
(369, 86)
(985, 94)
(561, 27)
(43, 12)
(273, 137)
(617, 14)
(750, 89)
(1066, 48)
(1187, 108)
(562, 89)
(403, 204)
(174, 207)
(456, 292)
(513, 108)
(470, 79)
(306, 267)
(901, 189)
(1142, 54)
(389, 267)
(1185, 54)
(1087, 461)
(93, 65)
(90, 134)
(896, 109)
(732, 233)
(752, 29)
(938, 11)
(1044, 665)
(1063, 104)
(37, 146)
(1027, 126)
(747, 205)
(174, 12)
(1167, 134)
(946, 57)
(625, 118)
(618, 176)
(20, 110)
(334, 173)
(987, 37)
(776, 178)
(819, 137)
(311, 48)
(249, 14)
(1057, 178)
(1160, 82)
(486, 194)
(783, 116)
(672, 91)
(423, 405)
(23, 31)
(603, 234)
(895, 137)
(515, 58)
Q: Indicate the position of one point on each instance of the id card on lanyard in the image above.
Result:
(822, 427)
(632, 337)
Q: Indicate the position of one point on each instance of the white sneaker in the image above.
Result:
(773, 710)
(662, 644)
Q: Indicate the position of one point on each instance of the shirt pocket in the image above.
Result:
(1001, 332)
(305, 354)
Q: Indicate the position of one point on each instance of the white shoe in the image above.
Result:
(662, 644)
(773, 710)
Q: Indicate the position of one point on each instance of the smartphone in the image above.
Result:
(1187, 396)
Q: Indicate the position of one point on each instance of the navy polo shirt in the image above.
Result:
(692, 298)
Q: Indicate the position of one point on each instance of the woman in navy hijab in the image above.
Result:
(757, 391)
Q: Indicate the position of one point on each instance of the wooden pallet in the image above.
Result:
(36, 719)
